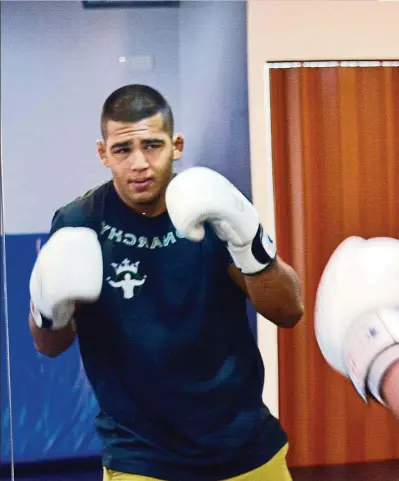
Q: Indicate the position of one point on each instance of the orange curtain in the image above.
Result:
(335, 150)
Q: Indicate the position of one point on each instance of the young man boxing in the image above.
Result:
(357, 316)
(151, 271)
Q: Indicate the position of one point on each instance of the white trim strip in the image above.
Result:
(266, 331)
(331, 64)
(6, 311)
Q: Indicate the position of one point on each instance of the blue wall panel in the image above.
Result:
(53, 404)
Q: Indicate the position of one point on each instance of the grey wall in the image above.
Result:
(59, 62)
(213, 87)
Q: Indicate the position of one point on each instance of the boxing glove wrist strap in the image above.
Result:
(59, 318)
(378, 370)
(256, 256)
(364, 343)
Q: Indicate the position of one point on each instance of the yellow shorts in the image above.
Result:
(274, 470)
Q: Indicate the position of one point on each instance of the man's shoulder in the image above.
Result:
(83, 211)
(89, 200)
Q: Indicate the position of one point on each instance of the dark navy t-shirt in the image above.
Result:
(168, 350)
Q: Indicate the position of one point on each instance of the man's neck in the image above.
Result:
(151, 209)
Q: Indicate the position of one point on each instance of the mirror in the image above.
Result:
(60, 60)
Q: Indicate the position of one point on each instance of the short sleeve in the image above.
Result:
(73, 215)
(229, 259)
(57, 223)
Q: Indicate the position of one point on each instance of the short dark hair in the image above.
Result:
(133, 103)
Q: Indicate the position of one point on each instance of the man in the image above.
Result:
(159, 307)
(357, 316)
(390, 388)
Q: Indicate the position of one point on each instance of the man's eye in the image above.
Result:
(122, 151)
(152, 147)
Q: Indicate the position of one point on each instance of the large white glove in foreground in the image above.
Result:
(200, 195)
(69, 268)
(357, 311)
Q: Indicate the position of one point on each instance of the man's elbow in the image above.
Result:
(47, 352)
(50, 351)
(287, 317)
(291, 318)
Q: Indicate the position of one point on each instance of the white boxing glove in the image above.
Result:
(68, 268)
(200, 195)
(357, 311)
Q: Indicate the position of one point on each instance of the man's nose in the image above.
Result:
(139, 161)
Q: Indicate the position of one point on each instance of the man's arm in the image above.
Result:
(68, 272)
(390, 388)
(275, 292)
(200, 195)
(47, 342)
(52, 343)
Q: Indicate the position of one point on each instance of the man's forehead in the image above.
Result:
(152, 126)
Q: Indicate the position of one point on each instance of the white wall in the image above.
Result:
(58, 63)
(303, 30)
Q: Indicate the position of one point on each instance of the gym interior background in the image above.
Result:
(219, 63)
(59, 62)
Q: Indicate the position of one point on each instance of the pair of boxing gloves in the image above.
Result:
(356, 314)
(69, 267)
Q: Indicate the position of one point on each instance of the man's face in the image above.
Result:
(140, 156)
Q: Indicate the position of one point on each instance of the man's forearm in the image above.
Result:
(52, 343)
(276, 294)
(390, 388)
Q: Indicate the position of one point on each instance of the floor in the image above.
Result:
(388, 471)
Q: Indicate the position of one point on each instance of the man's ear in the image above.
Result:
(102, 153)
(178, 146)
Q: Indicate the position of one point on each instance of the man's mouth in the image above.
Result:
(141, 185)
